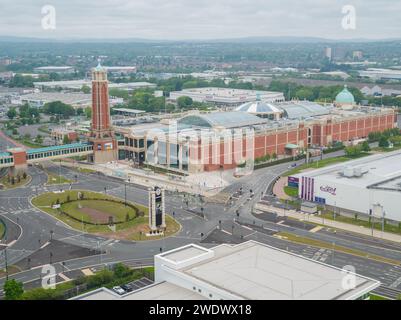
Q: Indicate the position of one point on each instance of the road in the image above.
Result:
(30, 229)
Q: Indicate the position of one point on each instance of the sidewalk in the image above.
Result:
(330, 223)
(147, 179)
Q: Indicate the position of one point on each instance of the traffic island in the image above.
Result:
(12, 182)
(101, 214)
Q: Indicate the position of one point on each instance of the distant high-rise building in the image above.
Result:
(357, 54)
(102, 134)
(328, 53)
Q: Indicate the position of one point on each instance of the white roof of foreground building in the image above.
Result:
(250, 270)
(367, 172)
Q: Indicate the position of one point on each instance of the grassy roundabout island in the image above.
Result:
(100, 214)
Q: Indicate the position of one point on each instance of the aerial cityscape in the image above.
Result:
(177, 156)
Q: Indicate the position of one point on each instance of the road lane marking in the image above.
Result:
(316, 229)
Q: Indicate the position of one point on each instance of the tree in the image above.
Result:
(11, 113)
(58, 108)
(121, 270)
(13, 289)
(85, 89)
(365, 146)
(66, 140)
(383, 142)
(88, 112)
(353, 151)
(184, 102)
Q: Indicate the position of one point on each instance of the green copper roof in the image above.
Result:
(345, 96)
(99, 66)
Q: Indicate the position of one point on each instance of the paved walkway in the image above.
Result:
(330, 223)
(278, 188)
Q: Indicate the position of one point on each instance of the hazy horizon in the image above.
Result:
(186, 20)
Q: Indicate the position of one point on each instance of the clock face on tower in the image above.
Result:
(158, 191)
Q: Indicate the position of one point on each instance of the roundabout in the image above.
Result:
(101, 214)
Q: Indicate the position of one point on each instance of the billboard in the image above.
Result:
(293, 182)
(108, 146)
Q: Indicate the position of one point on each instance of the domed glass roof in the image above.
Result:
(257, 107)
(345, 97)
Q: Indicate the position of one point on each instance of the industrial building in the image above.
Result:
(226, 96)
(247, 271)
(55, 69)
(39, 99)
(78, 84)
(370, 185)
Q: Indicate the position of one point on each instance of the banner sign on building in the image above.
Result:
(293, 182)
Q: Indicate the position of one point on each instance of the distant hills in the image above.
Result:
(276, 39)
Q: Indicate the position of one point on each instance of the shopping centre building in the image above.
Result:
(222, 140)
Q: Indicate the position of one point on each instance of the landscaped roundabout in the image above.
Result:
(101, 214)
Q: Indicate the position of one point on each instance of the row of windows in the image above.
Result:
(58, 152)
(135, 143)
(6, 160)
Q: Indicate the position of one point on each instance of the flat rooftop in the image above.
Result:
(252, 270)
(159, 291)
(68, 98)
(381, 169)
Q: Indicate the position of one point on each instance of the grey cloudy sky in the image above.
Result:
(200, 19)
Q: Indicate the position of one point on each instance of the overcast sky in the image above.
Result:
(201, 19)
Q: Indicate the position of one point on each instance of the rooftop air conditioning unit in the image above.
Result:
(348, 172)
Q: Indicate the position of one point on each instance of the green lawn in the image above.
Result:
(56, 179)
(86, 170)
(291, 191)
(321, 244)
(11, 270)
(377, 225)
(376, 297)
(319, 164)
(8, 184)
(2, 229)
(132, 230)
(117, 210)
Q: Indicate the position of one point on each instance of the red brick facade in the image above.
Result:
(317, 134)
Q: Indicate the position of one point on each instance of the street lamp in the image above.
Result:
(125, 193)
(6, 262)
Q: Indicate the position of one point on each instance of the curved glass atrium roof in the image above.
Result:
(258, 107)
(303, 109)
(222, 119)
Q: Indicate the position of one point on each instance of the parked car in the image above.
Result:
(127, 287)
(119, 290)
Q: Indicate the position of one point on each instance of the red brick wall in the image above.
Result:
(19, 157)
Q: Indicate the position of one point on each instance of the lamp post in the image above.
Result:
(59, 172)
(125, 193)
(6, 262)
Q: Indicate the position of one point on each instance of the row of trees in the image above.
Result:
(315, 93)
(119, 275)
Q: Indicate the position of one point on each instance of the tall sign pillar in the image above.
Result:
(102, 133)
(157, 214)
